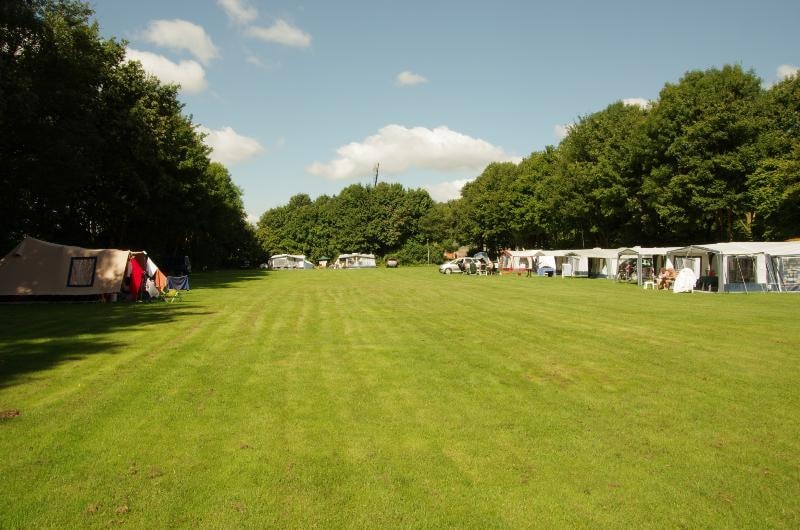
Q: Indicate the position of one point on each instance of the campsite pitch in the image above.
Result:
(385, 398)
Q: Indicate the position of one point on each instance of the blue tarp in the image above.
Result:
(180, 283)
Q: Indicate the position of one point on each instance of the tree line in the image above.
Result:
(385, 219)
(95, 152)
(715, 158)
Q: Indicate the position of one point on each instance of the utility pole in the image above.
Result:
(377, 167)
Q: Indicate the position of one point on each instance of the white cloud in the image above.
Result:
(562, 130)
(787, 70)
(281, 32)
(399, 148)
(446, 191)
(638, 102)
(181, 35)
(239, 11)
(255, 61)
(252, 218)
(188, 74)
(408, 78)
(228, 146)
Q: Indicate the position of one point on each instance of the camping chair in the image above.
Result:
(170, 295)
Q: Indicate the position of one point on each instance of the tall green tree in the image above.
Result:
(601, 165)
(99, 153)
(774, 187)
(703, 136)
(487, 207)
(541, 219)
(54, 67)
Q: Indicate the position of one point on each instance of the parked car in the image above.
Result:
(455, 266)
(483, 257)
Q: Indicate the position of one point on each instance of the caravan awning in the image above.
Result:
(646, 251)
(727, 264)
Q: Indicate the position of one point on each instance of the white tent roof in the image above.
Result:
(555, 253)
(299, 257)
(646, 251)
(595, 252)
(523, 253)
(777, 248)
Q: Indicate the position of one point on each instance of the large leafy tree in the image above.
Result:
(774, 187)
(54, 70)
(703, 146)
(487, 207)
(540, 219)
(601, 165)
(99, 153)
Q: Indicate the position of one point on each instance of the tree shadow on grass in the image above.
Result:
(36, 337)
(225, 278)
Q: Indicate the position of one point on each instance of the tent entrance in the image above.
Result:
(741, 274)
(598, 268)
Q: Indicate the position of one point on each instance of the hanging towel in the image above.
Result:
(151, 268)
(137, 273)
(160, 280)
(180, 283)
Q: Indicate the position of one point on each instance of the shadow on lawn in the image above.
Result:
(35, 337)
(225, 278)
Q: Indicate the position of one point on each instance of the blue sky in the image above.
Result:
(306, 97)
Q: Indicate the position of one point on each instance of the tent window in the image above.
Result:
(789, 269)
(741, 269)
(81, 272)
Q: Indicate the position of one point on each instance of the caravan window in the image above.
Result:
(81, 272)
(741, 269)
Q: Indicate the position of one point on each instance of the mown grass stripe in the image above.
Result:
(402, 398)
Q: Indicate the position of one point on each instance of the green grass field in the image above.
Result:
(402, 398)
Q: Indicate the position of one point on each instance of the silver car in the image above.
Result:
(454, 266)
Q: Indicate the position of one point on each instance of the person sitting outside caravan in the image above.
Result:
(662, 278)
(665, 278)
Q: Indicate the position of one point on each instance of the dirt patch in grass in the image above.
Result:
(8, 414)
